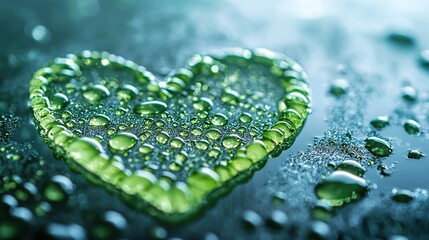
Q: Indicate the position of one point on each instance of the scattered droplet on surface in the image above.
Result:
(352, 167)
(380, 122)
(122, 141)
(415, 154)
(412, 127)
(402, 195)
(378, 147)
(339, 87)
(251, 219)
(341, 187)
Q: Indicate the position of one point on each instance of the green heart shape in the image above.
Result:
(170, 147)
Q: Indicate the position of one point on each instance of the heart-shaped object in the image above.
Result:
(170, 147)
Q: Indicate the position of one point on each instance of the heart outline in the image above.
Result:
(65, 143)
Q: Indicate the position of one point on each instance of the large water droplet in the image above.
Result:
(150, 108)
(341, 187)
(122, 141)
(378, 146)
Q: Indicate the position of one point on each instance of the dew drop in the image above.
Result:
(99, 120)
(58, 188)
(245, 118)
(213, 134)
(341, 187)
(146, 149)
(230, 97)
(378, 146)
(402, 195)
(203, 104)
(58, 101)
(219, 120)
(352, 167)
(150, 108)
(380, 122)
(339, 87)
(122, 141)
(231, 141)
(126, 93)
(162, 138)
(412, 127)
(96, 93)
(415, 154)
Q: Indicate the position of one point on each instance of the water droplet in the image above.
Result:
(64, 231)
(378, 146)
(203, 104)
(415, 154)
(412, 127)
(402, 32)
(409, 94)
(352, 167)
(402, 196)
(146, 148)
(231, 141)
(322, 211)
(40, 33)
(213, 134)
(319, 230)
(339, 87)
(202, 145)
(58, 189)
(341, 187)
(380, 122)
(424, 58)
(150, 108)
(162, 138)
(122, 141)
(58, 101)
(96, 93)
(158, 233)
(277, 219)
(219, 119)
(99, 120)
(245, 118)
(126, 92)
(251, 220)
(177, 143)
(109, 226)
(278, 199)
(230, 97)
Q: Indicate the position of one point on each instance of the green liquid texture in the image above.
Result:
(200, 132)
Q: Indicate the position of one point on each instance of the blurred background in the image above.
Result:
(373, 51)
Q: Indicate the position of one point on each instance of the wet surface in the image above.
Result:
(370, 45)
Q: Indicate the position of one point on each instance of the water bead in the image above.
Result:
(122, 141)
(378, 146)
(219, 120)
(58, 101)
(126, 92)
(352, 167)
(341, 187)
(230, 97)
(150, 108)
(99, 120)
(412, 127)
(231, 141)
(380, 122)
(203, 104)
(96, 93)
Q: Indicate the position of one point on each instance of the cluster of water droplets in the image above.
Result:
(200, 128)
